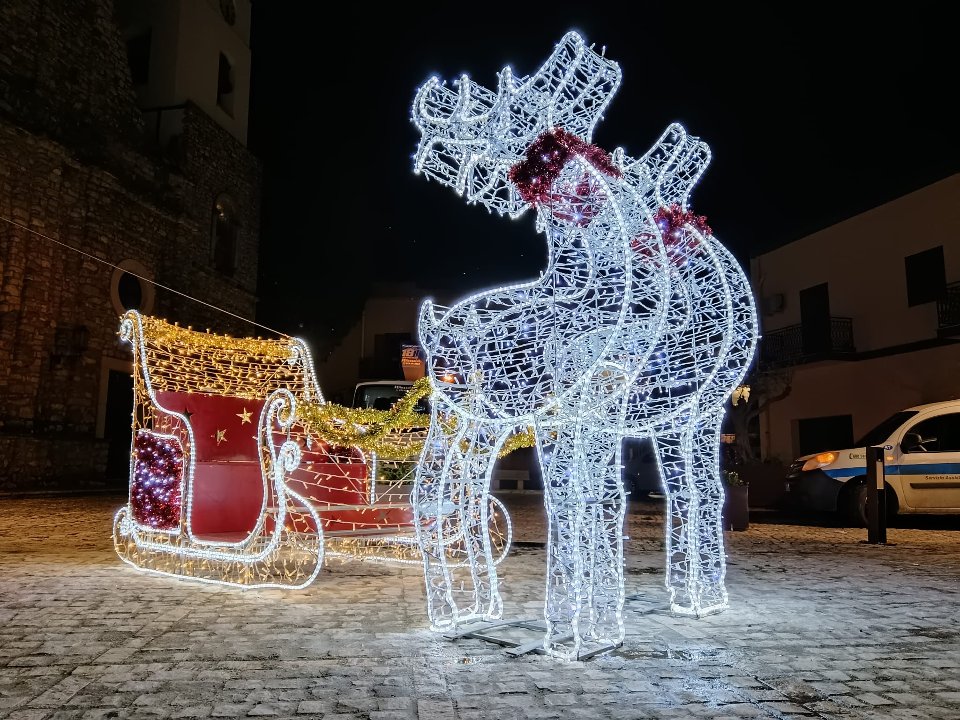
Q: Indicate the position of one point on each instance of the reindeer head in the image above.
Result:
(471, 137)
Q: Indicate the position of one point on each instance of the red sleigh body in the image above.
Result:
(226, 485)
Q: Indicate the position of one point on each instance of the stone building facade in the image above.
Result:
(90, 198)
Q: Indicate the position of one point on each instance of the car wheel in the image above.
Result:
(856, 505)
(893, 505)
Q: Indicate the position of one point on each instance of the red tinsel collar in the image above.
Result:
(546, 157)
(672, 221)
(672, 218)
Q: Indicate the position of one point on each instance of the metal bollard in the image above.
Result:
(876, 498)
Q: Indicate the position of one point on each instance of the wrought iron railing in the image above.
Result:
(787, 346)
(948, 308)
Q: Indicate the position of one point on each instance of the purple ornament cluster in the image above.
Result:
(156, 490)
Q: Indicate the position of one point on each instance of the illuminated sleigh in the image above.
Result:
(229, 484)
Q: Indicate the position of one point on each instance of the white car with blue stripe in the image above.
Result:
(921, 466)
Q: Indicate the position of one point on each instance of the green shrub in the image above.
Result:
(731, 478)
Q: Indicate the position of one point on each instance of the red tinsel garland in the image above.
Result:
(673, 222)
(535, 179)
(673, 218)
(544, 160)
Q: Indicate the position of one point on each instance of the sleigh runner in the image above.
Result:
(229, 485)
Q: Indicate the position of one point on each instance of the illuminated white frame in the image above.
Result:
(636, 329)
(279, 408)
(133, 541)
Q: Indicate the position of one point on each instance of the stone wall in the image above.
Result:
(49, 291)
(63, 71)
(75, 170)
(38, 464)
(215, 163)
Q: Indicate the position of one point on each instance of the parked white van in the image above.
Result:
(921, 464)
(382, 394)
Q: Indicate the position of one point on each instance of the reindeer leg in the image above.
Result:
(451, 506)
(430, 498)
(585, 505)
(564, 501)
(480, 451)
(603, 539)
(696, 566)
(711, 593)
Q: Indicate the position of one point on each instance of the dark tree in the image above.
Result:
(760, 389)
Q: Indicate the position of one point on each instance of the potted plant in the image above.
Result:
(736, 511)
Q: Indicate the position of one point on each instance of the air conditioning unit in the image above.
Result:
(772, 304)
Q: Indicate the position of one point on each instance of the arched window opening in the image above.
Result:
(130, 292)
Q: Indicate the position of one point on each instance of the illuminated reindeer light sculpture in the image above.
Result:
(641, 326)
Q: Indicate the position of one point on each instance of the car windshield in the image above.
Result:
(882, 431)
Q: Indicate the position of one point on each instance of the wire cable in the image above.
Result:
(141, 277)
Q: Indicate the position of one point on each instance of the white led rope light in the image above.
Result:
(641, 326)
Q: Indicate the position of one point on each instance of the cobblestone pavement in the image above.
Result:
(821, 625)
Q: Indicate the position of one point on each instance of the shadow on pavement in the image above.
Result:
(913, 522)
(653, 503)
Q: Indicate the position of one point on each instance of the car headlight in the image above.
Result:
(819, 460)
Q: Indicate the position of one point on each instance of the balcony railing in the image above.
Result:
(793, 345)
(948, 311)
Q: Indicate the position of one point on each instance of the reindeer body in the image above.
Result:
(636, 328)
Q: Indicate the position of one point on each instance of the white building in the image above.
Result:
(371, 350)
(866, 316)
(196, 50)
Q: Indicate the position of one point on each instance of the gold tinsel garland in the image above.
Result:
(179, 340)
(366, 428)
(370, 430)
(379, 431)
(523, 439)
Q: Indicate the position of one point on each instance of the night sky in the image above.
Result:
(812, 117)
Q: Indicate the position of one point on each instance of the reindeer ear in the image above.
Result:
(680, 176)
(580, 83)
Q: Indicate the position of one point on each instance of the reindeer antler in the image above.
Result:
(472, 136)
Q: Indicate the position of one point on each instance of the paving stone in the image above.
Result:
(312, 706)
(263, 710)
(874, 699)
(814, 630)
(229, 710)
(193, 711)
(28, 715)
